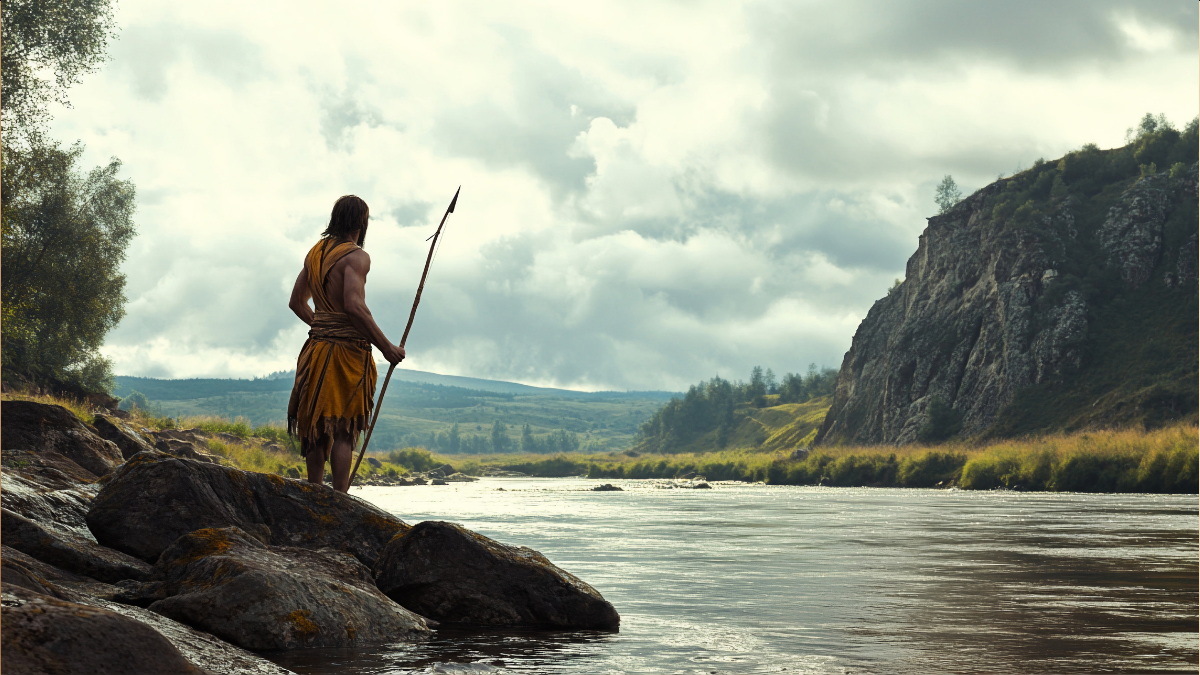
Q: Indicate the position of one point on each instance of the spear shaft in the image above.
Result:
(403, 339)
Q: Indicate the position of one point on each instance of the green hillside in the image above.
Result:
(759, 415)
(491, 416)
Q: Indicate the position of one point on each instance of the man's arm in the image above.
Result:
(300, 295)
(354, 301)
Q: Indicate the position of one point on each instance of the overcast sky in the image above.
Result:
(652, 193)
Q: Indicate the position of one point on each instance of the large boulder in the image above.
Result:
(55, 503)
(72, 584)
(121, 434)
(153, 500)
(206, 651)
(17, 574)
(43, 634)
(446, 572)
(68, 551)
(228, 583)
(32, 426)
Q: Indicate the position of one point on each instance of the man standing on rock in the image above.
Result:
(335, 375)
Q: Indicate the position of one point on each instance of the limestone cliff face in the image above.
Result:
(978, 318)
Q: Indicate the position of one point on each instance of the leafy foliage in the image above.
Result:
(64, 238)
(717, 408)
(47, 46)
(947, 194)
(944, 422)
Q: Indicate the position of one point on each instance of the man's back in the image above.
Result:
(355, 265)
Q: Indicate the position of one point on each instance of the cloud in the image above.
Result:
(653, 193)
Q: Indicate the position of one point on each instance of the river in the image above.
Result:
(780, 579)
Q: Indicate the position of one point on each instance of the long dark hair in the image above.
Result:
(350, 213)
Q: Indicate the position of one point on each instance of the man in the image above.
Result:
(335, 375)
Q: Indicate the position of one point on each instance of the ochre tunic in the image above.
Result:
(335, 374)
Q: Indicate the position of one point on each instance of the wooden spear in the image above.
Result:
(411, 315)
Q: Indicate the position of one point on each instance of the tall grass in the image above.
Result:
(1163, 460)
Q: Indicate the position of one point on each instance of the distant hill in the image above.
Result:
(446, 413)
(1062, 298)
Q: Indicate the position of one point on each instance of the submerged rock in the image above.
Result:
(153, 500)
(43, 634)
(264, 597)
(68, 551)
(451, 574)
(38, 427)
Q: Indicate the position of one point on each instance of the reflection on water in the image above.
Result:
(776, 579)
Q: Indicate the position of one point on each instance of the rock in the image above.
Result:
(988, 309)
(607, 487)
(374, 462)
(265, 597)
(453, 575)
(65, 583)
(152, 500)
(1132, 235)
(13, 572)
(184, 449)
(437, 481)
(42, 634)
(122, 435)
(204, 650)
(54, 502)
(293, 472)
(460, 478)
(38, 427)
(69, 552)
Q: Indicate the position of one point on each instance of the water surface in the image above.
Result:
(781, 579)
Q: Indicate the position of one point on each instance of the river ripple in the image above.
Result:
(779, 579)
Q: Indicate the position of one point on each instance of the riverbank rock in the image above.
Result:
(70, 552)
(39, 427)
(230, 584)
(153, 500)
(128, 441)
(449, 573)
(43, 634)
(56, 503)
(206, 651)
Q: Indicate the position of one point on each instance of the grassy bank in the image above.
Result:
(1162, 461)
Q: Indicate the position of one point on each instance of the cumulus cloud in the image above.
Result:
(653, 193)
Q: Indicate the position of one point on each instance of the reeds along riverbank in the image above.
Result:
(1161, 461)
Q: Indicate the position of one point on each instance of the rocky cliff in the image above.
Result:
(1060, 298)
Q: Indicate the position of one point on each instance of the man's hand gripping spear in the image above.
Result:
(411, 315)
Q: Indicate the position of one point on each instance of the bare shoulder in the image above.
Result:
(359, 260)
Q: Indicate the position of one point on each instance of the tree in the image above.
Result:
(947, 194)
(528, 442)
(64, 234)
(455, 442)
(758, 385)
(135, 399)
(64, 238)
(500, 439)
(46, 46)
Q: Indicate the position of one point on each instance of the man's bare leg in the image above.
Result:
(315, 460)
(341, 460)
